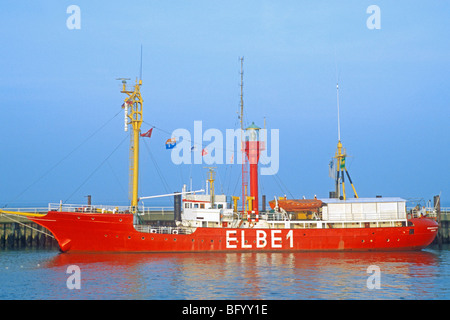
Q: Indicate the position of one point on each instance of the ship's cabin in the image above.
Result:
(202, 210)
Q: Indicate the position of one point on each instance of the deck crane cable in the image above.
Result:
(62, 159)
(96, 169)
(158, 170)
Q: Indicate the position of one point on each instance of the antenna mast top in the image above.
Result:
(244, 160)
(140, 70)
(340, 161)
(242, 93)
(339, 122)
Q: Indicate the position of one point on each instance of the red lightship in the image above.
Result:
(210, 223)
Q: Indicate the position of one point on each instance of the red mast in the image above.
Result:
(253, 146)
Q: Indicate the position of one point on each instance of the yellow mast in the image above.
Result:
(211, 174)
(133, 115)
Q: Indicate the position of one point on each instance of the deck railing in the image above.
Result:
(104, 208)
(162, 229)
(427, 211)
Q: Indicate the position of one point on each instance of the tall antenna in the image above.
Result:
(244, 160)
(340, 160)
(337, 94)
(339, 121)
(140, 70)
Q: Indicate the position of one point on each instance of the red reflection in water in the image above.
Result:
(246, 275)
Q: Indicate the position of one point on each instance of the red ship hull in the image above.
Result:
(115, 233)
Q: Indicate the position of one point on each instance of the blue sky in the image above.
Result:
(58, 88)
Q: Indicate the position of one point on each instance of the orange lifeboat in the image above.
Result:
(296, 205)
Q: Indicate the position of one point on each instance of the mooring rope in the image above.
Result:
(27, 226)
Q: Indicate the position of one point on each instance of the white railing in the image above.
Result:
(150, 210)
(427, 211)
(162, 230)
(105, 208)
(88, 208)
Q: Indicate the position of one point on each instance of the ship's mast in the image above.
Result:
(133, 117)
(244, 161)
(340, 161)
(211, 175)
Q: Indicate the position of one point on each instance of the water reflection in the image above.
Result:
(316, 275)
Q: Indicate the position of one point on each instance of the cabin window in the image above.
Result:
(195, 205)
(186, 205)
(220, 206)
(202, 206)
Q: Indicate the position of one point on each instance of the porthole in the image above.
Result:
(143, 238)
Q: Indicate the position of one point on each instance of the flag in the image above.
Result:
(128, 102)
(204, 152)
(343, 163)
(171, 143)
(148, 134)
(332, 169)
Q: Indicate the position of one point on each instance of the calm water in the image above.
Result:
(41, 274)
